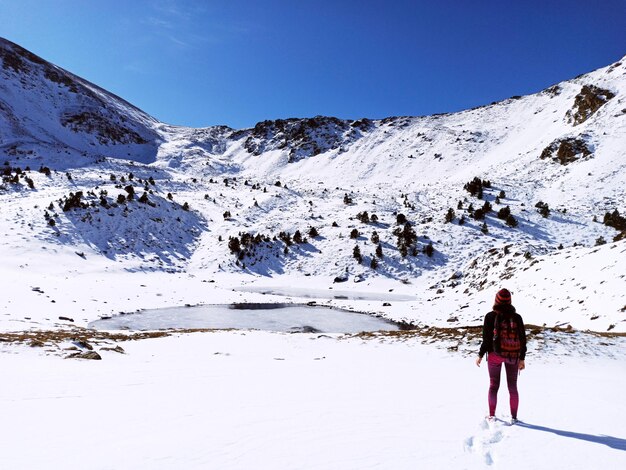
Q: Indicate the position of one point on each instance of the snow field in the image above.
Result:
(237, 400)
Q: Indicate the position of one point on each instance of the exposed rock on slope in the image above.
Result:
(566, 150)
(301, 137)
(587, 102)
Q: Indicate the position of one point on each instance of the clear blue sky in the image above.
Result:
(238, 62)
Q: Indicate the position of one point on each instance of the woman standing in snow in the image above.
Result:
(504, 341)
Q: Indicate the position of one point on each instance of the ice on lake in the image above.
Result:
(269, 317)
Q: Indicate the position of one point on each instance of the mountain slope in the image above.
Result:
(320, 198)
(49, 113)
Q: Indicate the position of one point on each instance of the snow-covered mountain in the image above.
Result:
(445, 207)
(55, 116)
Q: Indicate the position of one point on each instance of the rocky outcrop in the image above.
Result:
(302, 137)
(93, 355)
(106, 130)
(587, 102)
(565, 151)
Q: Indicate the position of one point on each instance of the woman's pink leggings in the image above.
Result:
(494, 364)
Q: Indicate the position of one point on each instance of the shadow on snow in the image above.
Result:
(610, 441)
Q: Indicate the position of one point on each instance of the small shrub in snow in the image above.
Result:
(356, 254)
(504, 213)
(347, 199)
(313, 232)
(354, 233)
(379, 251)
(401, 219)
(363, 217)
(429, 250)
(543, 209)
(74, 201)
(484, 229)
(600, 241)
(286, 238)
(615, 220)
(234, 245)
(479, 214)
(375, 238)
(297, 237)
(450, 215)
(373, 263)
(511, 221)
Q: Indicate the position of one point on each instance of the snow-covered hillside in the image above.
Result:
(320, 199)
(51, 116)
(104, 212)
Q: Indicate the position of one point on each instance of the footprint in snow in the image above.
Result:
(491, 432)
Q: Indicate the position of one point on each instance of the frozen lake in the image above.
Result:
(293, 318)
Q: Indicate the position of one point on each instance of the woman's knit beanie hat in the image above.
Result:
(503, 297)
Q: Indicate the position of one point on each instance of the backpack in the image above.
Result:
(506, 340)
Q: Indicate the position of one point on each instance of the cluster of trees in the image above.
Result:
(615, 220)
(365, 218)
(16, 175)
(475, 187)
(406, 239)
(244, 244)
(356, 254)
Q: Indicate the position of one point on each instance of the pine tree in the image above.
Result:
(429, 250)
(297, 237)
(511, 221)
(373, 263)
(450, 215)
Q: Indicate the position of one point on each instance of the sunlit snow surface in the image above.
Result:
(261, 400)
(270, 317)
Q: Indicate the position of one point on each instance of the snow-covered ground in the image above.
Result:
(153, 228)
(240, 400)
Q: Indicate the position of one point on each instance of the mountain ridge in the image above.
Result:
(319, 198)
